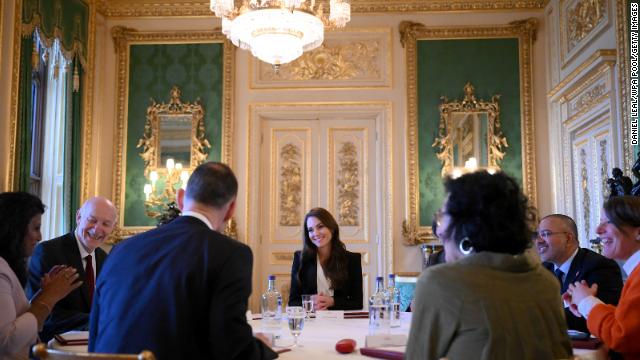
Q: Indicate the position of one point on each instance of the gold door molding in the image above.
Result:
(123, 39)
(410, 33)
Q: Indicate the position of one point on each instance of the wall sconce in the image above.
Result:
(160, 193)
(471, 165)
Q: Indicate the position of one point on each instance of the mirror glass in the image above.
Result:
(175, 139)
(469, 138)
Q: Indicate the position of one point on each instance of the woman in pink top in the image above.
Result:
(20, 217)
(618, 326)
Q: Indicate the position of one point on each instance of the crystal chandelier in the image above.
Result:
(279, 31)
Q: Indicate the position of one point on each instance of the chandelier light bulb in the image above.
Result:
(278, 31)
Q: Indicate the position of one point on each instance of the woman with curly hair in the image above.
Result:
(325, 267)
(492, 299)
(20, 218)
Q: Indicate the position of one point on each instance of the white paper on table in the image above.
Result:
(385, 340)
(330, 314)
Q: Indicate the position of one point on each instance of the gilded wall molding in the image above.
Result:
(357, 58)
(348, 182)
(596, 56)
(587, 93)
(584, 186)
(580, 22)
(525, 31)
(13, 102)
(588, 98)
(622, 46)
(87, 130)
(290, 185)
(151, 8)
(123, 38)
(604, 169)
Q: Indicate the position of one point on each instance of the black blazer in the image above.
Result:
(593, 268)
(72, 312)
(181, 291)
(348, 298)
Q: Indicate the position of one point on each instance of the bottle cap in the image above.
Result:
(379, 278)
(392, 276)
(272, 277)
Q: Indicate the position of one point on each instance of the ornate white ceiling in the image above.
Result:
(152, 8)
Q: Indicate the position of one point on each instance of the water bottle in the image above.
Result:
(378, 307)
(271, 305)
(393, 294)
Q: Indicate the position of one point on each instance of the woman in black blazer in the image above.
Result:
(342, 269)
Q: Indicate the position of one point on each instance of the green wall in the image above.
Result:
(444, 67)
(197, 70)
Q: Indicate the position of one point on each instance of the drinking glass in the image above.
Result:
(295, 315)
(307, 304)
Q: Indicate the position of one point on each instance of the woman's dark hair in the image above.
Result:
(623, 210)
(16, 211)
(491, 211)
(336, 267)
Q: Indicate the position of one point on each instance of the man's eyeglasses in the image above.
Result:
(546, 234)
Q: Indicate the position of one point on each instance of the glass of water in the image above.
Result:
(295, 316)
(307, 305)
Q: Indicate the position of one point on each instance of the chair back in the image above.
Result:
(41, 351)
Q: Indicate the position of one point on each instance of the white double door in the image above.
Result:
(329, 163)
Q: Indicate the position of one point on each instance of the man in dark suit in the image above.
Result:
(181, 290)
(95, 220)
(559, 249)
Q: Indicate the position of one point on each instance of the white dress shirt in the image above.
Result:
(83, 257)
(323, 284)
(198, 216)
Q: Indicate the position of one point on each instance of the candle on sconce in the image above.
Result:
(153, 176)
(178, 166)
(471, 164)
(184, 176)
(147, 191)
(170, 164)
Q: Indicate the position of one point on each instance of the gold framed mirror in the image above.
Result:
(469, 135)
(173, 131)
(173, 144)
(439, 61)
(149, 64)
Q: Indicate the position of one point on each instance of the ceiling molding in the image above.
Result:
(177, 8)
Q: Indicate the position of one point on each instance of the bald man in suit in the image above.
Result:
(95, 221)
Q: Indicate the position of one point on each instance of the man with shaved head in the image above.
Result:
(559, 249)
(95, 221)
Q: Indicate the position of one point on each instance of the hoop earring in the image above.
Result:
(465, 246)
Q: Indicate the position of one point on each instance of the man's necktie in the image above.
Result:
(90, 280)
(560, 275)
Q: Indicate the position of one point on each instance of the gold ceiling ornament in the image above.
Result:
(469, 132)
(279, 31)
